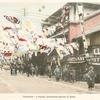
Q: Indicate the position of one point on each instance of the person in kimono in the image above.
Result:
(90, 78)
(57, 73)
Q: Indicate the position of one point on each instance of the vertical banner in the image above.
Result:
(81, 20)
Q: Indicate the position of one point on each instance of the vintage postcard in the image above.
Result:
(49, 50)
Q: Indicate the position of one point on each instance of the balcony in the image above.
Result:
(60, 30)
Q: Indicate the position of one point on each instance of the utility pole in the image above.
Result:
(24, 12)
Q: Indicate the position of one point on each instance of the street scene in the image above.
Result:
(50, 47)
(24, 84)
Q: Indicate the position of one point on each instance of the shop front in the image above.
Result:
(95, 60)
(79, 64)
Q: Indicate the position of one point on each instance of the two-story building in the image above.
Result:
(71, 19)
(72, 32)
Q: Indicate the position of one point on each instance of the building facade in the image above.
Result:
(71, 24)
(72, 33)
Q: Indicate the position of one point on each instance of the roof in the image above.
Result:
(92, 5)
(55, 15)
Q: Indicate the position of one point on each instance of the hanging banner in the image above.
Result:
(73, 59)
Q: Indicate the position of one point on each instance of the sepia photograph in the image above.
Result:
(50, 47)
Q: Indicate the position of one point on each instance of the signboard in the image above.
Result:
(79, 59)
(95, 60)
(95, 51)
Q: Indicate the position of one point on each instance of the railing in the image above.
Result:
(59, 29)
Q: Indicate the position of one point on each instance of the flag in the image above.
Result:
(7, 53)
(12, 19)
(42, 46)
(21, 39)
(6, 28)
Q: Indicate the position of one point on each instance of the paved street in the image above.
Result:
(24, 84)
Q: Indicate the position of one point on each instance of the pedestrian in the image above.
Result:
(49, 71)
(57, 73)
(11, 68)
(90, 78)
(73, 75)
(36, 70)
(32, 70)
(65, 73)
(28, 70)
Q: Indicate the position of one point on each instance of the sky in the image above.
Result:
(32, 7)
(35, 11)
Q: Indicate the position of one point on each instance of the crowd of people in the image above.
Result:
(65, 73)
(25, 65)
(68, 73)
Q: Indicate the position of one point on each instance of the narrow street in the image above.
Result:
(49, 50)
(24, 84)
